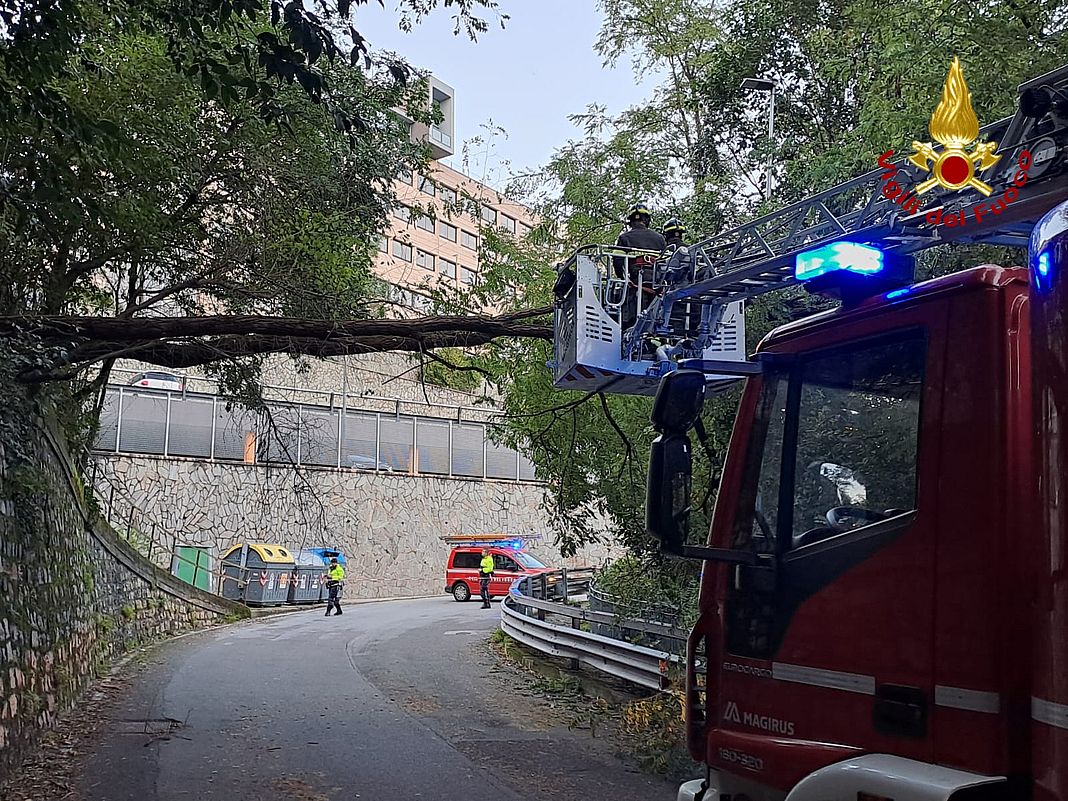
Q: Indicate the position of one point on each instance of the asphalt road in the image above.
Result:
(395, 700)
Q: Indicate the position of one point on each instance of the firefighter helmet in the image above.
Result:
(639, 210)
(674, 227)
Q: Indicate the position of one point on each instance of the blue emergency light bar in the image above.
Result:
(850, 257)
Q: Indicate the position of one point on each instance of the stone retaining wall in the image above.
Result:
(73, 596)
(388, 525)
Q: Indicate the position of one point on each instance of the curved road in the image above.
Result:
(393, 700)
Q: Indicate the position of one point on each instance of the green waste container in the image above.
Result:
(265, 579)
(192, 564)
(306, 586)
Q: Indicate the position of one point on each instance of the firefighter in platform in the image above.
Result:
(638, 236)
(485, 573)
(674, 262)
(335, 574)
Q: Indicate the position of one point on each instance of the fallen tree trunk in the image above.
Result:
(180, 342)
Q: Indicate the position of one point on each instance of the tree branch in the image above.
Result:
(181, 342)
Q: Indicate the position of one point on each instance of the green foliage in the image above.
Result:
(230, 51)
(451, 368)
(637, 584)
(188, 207)
(127, 612)
(655, 734)
(854, 78)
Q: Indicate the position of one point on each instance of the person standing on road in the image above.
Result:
(485, 573)
(334, 576)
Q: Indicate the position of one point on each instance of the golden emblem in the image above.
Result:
(955, 126)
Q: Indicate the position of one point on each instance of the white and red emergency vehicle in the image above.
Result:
(884, 604)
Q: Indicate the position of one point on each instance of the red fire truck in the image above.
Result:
(884, 604)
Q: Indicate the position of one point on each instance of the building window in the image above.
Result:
(447, 231)
(402, 213)
(426, 186)
(467, 275)
(524, 229)
(425, 223)
(507, 224)
(447, 195)
(489, 216)
(468, 240)
(405, 178)
(402, 251)
(424, 259)
(383, 244)
(447, 267)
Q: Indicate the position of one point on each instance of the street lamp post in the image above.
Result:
(764, 85)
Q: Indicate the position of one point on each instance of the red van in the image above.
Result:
(509, 564)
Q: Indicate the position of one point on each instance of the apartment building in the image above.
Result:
(437, 226)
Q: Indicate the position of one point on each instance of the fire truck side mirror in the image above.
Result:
(679, 401)
(667, 496)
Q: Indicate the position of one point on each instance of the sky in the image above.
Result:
(526, 78)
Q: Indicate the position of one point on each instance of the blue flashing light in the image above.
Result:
(1043, 269)
(898, 293)
(851, 257)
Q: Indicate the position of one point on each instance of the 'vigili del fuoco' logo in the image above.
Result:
(956, 167)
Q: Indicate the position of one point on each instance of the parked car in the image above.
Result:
(158, 380)
(509, 564)
(367, 463)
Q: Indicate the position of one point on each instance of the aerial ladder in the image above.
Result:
(694, 317)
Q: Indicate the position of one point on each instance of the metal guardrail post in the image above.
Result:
(573, 663)
(544, 593)
(563, 585)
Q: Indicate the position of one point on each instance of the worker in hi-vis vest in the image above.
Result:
(334, 574)
(485, 573)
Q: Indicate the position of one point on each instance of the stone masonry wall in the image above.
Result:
(72, 595)
(388, 525)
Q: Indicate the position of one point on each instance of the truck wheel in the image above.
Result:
(460, 591)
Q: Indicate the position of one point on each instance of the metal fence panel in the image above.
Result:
(144, 417)
(433, 439)
(108, 429)
(201, 426)
(233, 429)
(318, 436)
(278, 437)
(190, 432)
(468, 441)
(500, 462)
(526, 469)
(396, 437)
(361, 439)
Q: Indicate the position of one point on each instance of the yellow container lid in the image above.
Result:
(268, 552)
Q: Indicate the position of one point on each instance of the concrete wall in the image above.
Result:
(388, 525)
(72, 595)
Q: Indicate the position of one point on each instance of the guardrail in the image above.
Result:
(554, 627)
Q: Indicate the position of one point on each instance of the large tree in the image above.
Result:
(144, 190)
(854, 78)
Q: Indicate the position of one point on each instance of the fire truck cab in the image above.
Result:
(884, 603)
(878, 493)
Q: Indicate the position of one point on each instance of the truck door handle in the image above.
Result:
(900, 711)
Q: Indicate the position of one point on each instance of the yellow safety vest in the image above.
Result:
(336, 572)
(487, 565)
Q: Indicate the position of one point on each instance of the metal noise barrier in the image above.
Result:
(553, 628)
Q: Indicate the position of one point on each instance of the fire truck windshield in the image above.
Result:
(834, 443)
